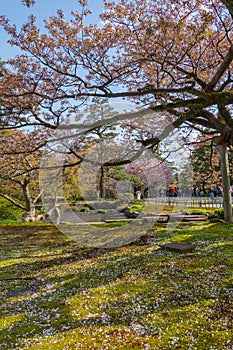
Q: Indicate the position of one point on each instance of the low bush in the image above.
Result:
(102, 211)
(84, 209)
(8, 211)
(220, 213)
(136, 207)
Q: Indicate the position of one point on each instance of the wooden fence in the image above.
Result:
(202, 202)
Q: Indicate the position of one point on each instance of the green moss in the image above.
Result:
(8, 212)
(9, 321)
(131, 297)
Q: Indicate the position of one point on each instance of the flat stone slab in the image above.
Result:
(164, 218)
(118, 220)
(194, 218)
(156, 218)
(34, 284)
(82, 223)
(178, 247)
(187, 218)
(20, 292)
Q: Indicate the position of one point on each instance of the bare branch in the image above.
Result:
(12, 201)
(221, 70)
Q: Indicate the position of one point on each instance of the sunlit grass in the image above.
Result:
(129, 297)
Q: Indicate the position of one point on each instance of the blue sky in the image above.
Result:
(18, 14)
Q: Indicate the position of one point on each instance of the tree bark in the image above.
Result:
(229, 5)
(102, 182)
(30, 209)
(227, 202)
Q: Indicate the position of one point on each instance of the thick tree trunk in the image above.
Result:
(29, 207)
(30, 213)
(227, 202)
(102, 182)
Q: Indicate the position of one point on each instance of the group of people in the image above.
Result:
(213, 191)
(173, 191)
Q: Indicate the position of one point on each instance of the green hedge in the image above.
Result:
(8, 211)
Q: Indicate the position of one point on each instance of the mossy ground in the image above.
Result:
(131, 297)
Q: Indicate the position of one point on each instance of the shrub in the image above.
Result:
(220, 213)
(9, 211)
(84, 209)
(201, 211)
(136, 207)
(102, 211)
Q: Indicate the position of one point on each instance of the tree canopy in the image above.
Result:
(28, 3)
(173, 57)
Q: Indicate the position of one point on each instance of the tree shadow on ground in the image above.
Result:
(115, 288)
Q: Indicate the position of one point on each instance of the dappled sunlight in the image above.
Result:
(10, 321)
(135, 295)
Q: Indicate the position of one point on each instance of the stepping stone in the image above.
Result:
(32, 288)
(187, 218)
(178, 247)
(156, 218)
(194, 218)
(117, 220)
(20, 292)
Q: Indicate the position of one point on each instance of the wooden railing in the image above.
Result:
(202, 202)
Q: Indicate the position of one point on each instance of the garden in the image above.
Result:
(116, 186)
(57, 294)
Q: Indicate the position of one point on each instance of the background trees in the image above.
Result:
(206, 165)
(19, 168)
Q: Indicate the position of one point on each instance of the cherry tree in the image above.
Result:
(155, 173)
(177, 58)
(20, 162)
(28, 3)
(172, 58)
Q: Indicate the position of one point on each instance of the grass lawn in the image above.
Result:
(131, 297)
